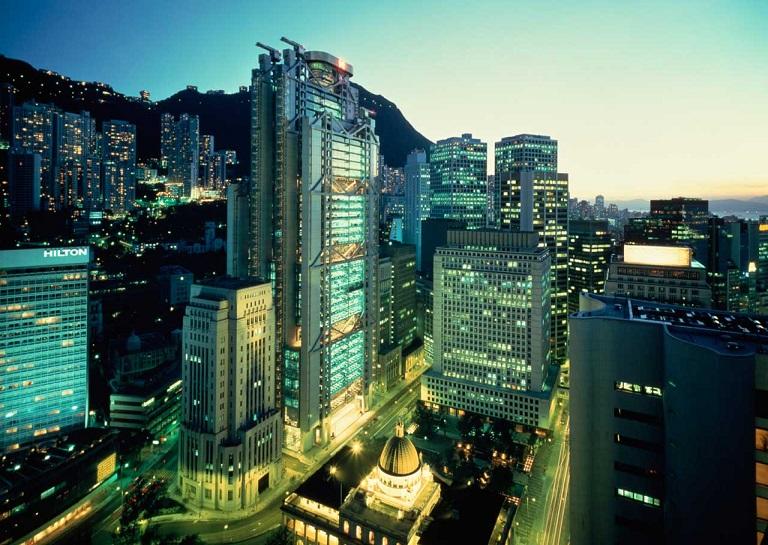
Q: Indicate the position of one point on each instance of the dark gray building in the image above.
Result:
(24, 182)
(669, 442)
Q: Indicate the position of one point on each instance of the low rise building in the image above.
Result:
(667, 274)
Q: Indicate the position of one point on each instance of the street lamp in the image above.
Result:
(333, 470)
(357, 447)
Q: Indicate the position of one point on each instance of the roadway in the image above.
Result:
(253, 529)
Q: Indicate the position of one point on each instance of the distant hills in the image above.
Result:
(756, 205)
(225, 116)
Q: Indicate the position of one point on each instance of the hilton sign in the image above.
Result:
(66, 252)
(44, 257)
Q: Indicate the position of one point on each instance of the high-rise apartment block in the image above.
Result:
(43, 343)
(230, 443)
(458, 180)
(307, 221)
(417, 199)
(669, 407)
(590, 246)
(119, 144)
(33, 132)
(491, 328)
(533, 196)
(180, 150)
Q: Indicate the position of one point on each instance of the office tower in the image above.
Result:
(434, 233)
(667, 431)
(167, 140)
(424, 315)
(458, 180)
(401, 325)
(231, 434)
(590, 246)
(183, 150)
(311, 230)
(733, 266)
(43, 343)
(119, 165)
(533, 196)
(599, 207)
(667, 274)
(391, 179)
(23, 182)
(33, 132)
(7, 104)
(417, 199)
(491, 328)
(683, 220)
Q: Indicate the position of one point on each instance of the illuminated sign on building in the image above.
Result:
(43, 257)
(65, 252)
(662, 256)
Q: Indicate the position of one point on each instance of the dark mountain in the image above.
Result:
(225, 116)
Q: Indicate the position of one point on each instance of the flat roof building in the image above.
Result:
(669, 424)
(43, 343)
(667, 274)
(491, 351)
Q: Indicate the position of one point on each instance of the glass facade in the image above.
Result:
(312, 219)
(43, 343)
(458, 180)
(533, 196)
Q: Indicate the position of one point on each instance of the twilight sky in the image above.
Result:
(647, 99)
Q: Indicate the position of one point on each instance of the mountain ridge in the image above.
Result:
(224, 115)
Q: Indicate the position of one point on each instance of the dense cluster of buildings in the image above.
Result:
(58, 160)
(345, 276)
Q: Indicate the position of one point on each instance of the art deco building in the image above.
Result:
(43, 343)
(491, 350)
(669, 412)
(231, 433)
(458, 180)
(307, 222)
(534, 197)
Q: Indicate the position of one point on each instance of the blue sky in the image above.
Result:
(646, 98)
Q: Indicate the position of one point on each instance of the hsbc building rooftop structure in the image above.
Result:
(43, 343)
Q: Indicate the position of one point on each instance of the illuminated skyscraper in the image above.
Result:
(230, 442)
(167, 139)
(119, 182)
(417, 199)
(43, 343)
(590, 246)
(458, 180)
(311, 230)
(491, 328)
(533, 196)
(180, 149)
(74, 137)
(33, 132)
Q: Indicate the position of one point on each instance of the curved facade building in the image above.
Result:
(666, 406)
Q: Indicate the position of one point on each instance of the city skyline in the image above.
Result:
(670, 88)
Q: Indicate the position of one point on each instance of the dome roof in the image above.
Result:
(399, 457)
